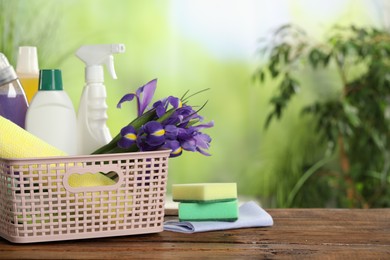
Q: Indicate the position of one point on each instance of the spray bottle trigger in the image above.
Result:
(110, 66)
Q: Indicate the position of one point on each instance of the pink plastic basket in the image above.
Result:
(38, 204)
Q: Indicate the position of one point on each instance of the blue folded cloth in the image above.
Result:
(250, 215)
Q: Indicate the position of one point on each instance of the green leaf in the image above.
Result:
(262, 76)
(352, 114)
(268, 120)
(273, 69)
(166, 115)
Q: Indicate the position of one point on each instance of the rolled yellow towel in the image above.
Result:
(15, 142)
(89, 180)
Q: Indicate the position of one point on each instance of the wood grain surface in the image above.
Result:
(297, 233)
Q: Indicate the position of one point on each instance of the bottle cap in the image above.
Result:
(27, 61)
(50, 80)
(7, 72)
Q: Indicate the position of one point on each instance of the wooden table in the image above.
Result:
(297, 233)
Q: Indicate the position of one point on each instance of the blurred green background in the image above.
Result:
(193, 45)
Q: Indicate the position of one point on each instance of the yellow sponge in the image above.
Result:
(204, 192)
(15, 142)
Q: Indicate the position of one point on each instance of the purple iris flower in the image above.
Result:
(128, 137)
(201, 126)
(151, 134)
(182, 116)
(198, 142)
(143, 95)
(161, 106)
(202, 143)
(189, 139)
(172, 125)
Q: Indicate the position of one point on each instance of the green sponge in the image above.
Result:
(210, 211)
(204, 192)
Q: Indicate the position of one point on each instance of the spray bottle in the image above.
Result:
(91, 119)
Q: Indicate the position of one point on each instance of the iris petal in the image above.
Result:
(154, 133)
(171, 132)
(152, 126)
(128, 137)
(160, 108)
(175, 148)
(203, 152)
(189, 145)
(202, 140)
(174, 101)
(145, 95)
(207, 125)
(127, 97)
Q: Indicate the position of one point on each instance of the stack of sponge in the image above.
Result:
(206, 201)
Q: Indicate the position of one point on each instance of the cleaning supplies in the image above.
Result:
(27, 70)
(212, 211)
(51, 115)
(15, 142)
(91, 118)
(206, 201)
(198, 192)
(13, 102)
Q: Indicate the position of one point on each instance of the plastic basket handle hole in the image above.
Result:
(89, 179)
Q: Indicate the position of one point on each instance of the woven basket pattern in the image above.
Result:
(38, 204)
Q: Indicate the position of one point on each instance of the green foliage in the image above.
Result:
(355, 123)
(31, 23)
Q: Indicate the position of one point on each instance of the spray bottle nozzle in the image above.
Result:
(94, 56)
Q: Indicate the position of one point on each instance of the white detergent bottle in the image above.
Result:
(91, 117)
(51, 115)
